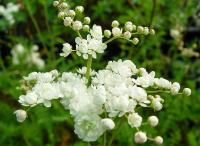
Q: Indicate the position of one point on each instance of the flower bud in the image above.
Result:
(107, 33)
(117, 32)
(86, 28)
(67, 49)
(108, 124)
(129, 26)
(77, 25)
(79, 9)
(146, 31)
(55, 3)
(187, 91)
(158, 140)
(71, 13)
(134, 120)
(140, 29)
(61, 14)
(153, 121)
(152, 32)
(68, 21)
(140, 137)
(175, 87)
(135, 41)
(87, 20)
(115, 23)
(21, 115)
(64, 5)
(156, 104)
(127, 35)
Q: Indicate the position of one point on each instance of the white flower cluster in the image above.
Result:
(94, 42)
(113, 91)
(7, 12)
(30, 57)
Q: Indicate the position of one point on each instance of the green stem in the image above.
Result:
(89, 64)
(158, 91)
(104, 138)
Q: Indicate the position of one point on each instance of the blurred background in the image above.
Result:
(31, 38)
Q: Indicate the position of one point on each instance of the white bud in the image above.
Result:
(175, 87)
(55, 3)
(115, 23)
(134, 120)
(158, 140)
(64, 5)
(153, 121)
(129, 26)
(156, 104)
(108, 124)
(79, 9)
(140, 137)
(68, 21)
(67, 49)
(187, 91)
(146, 31)
(140, 29)
(86, 28)
(135, 41)
(87, 20)
(117, 32)
(21, 115)
(71, 13)
(107, 33)
(77, 25)
(61, 14)
(152, 32)
(127, 35)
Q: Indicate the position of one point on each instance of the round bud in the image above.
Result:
(55, 3)
(187, 91)
(156, 104)
(77, 25)
(175, 87)
(127, 35)
(146, 31)
(79, 9)
(134, 27)
(61, 15)
(152, 32)
(153, 121)
(129, 26)
(20, 115)
(134, 120)
(64, 5)
(115, 23)
(108, 124)
(158, 140)
(140, 137)
(117, 32)
(86, 28)
(107, 33)
(140, 29)
(87, 20)
(135, 41)
(71, 13)
(68, 21)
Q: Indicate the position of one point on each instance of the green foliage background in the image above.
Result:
(37, 23)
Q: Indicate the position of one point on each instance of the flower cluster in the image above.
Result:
(96, 99)
(30, 57)
(7, 12)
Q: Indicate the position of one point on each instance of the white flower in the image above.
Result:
(187, 91)
(68, 21)
(146, 79)
(96, 32)
(30, 99)
(153, 121)
(129, 26)
(77, 25)
(156, 103)
(67, 49)
(162, 83)
(158, 140)
(83, 71)
(134, 120)
(140, 137)
(20, 115)
(117, 32)
(88, 127)
(108, 124)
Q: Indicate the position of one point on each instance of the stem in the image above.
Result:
(158, 91)
(104, 138)
(152, 12)
(110, 40)
(89, 64)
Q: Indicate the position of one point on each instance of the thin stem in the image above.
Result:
(104, 138)
(152, 12)
(158, 91)
(89, 64)
(110, 40)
